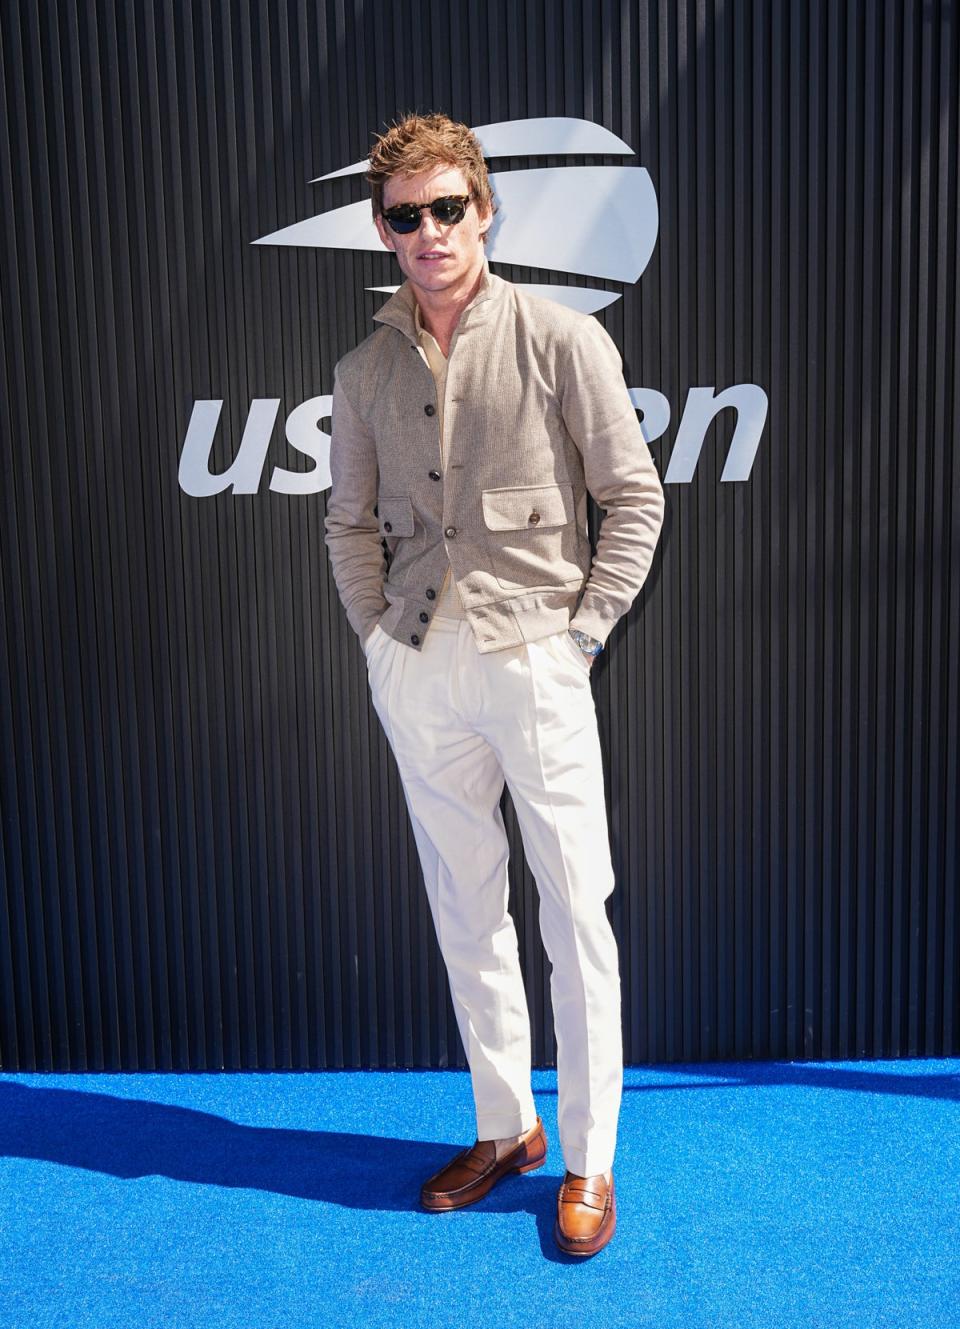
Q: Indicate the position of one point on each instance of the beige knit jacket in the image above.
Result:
(537, 415)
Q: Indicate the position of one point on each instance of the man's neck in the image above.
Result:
(440, 310)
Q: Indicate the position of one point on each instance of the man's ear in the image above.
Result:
(485, 221)
(386, 235)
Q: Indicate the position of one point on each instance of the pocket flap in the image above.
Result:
(395, 515)
(528, 507)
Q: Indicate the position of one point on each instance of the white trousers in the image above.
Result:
(459, 723)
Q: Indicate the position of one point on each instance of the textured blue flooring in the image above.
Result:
(768, 1194)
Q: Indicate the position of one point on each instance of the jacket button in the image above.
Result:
(415, 639)
(450, 532)
(429, 409)
(387, 526)
(533, 518)
(431, 593)
(424, 616)
(434, 475)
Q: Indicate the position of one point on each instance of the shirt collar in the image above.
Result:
(401, 309)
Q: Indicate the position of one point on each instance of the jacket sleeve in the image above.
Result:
(619, 473)
(353, 538)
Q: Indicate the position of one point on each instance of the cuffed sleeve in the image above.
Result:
(619, 473)
(353, 539)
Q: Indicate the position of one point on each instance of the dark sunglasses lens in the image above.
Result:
(403, 220)
(448, 210)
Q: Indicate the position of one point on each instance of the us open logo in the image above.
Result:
(609, 231)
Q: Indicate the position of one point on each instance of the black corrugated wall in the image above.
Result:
(205, 853)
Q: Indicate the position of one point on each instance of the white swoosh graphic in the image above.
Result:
(585, 298)
(599, 221)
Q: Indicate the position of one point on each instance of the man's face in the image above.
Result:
(436, 257)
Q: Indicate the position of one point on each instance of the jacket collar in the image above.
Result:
(400, 310)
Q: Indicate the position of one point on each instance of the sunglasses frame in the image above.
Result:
(464, 199)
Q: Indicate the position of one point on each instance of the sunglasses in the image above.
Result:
(405, 218)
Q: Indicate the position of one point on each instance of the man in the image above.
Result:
(467, 432)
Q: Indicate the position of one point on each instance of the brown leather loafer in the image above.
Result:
(586, 1213)
(474, 1171)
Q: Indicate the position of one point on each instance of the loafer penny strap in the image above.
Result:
(579, 1192)
(476, 1161)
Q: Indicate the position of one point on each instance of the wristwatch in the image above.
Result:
(589, 645)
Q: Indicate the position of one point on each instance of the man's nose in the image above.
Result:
(429, 225)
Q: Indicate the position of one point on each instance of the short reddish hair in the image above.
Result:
(418, 142)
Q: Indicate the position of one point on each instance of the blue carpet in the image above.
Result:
(768, 1194)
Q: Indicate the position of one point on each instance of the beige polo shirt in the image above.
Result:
(448, 604)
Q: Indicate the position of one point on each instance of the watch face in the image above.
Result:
(589, 645)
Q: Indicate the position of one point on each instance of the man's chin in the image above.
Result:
(444, 278)
(426, 269)
(434, 282)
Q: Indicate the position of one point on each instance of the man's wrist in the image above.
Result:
(589, 645)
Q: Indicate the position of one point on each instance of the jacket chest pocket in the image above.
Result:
(532, 534)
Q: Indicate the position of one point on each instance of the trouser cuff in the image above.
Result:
(500, 1126)
(590, 1162)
